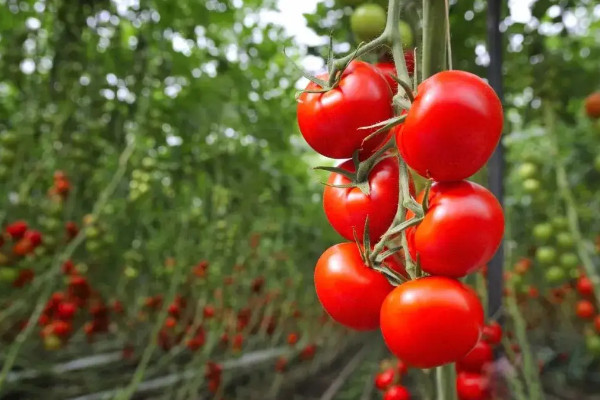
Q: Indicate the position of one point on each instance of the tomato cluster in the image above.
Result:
(473, 381)
(458, 230)
(389, 380)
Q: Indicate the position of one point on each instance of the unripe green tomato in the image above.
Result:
(8, 157)
(592, 343)
(49, 241)
(569, 260)
(91, 232)
(545, 255)
(542, 232)
(555, 275)
(8, 139)
(560, 222)
(406, 34)
(92, 246)
(51, 223)
(565, 240)
(527, 170)
(8, 274)
(145, 177)
(143, 188)
(531, 185)
(130, 272)
(148, 163)
(368, 22)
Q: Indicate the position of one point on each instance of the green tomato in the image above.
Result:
(565, 240)
(407, 34)
(592, 343)
(92, 246)
(517, 282)
(569, 260)
(527, 170)
(8, 274)
(545, 255)
(555, 275)
(8, 139)
(560, 222)
(368, 22)
(531, 185)
(542, 232)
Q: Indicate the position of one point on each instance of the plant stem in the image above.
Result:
(391, 29)
(434, 37)
(445, 382)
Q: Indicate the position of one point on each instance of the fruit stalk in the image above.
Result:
(434, 37)
(445, 382)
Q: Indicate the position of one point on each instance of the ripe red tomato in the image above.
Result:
(585, 287)
(388, 69)
(402, 368)
(452, 127)
(397, 392)
(592, 105)
(476, 359)
(348, 208)
(349, 291)
(584, 309)
(431, 321)
(330, 122)
(492, 333)
(472, 386)
(461, 230)
(384, 379)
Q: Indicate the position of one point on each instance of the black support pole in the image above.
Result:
(496, 163)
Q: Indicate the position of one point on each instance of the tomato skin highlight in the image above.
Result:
(452, 127)
(348, 208)
(472, 386)
(397, 392)
(348, 290)
(431, 321)
(476, 359)
(461, 231)
(330, 122)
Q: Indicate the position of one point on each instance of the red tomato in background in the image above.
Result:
(452, 127)
(431, 321)
(492, 333)
(348, 208)
(584, 286)
(476, 359)
(585, 309)
(330, 122)
(384, 379)
(388, 69)
(472, 386)
(397, 392)
(461, 231)
(349, 291)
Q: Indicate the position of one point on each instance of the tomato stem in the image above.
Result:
(434, 37)
(445, 382)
